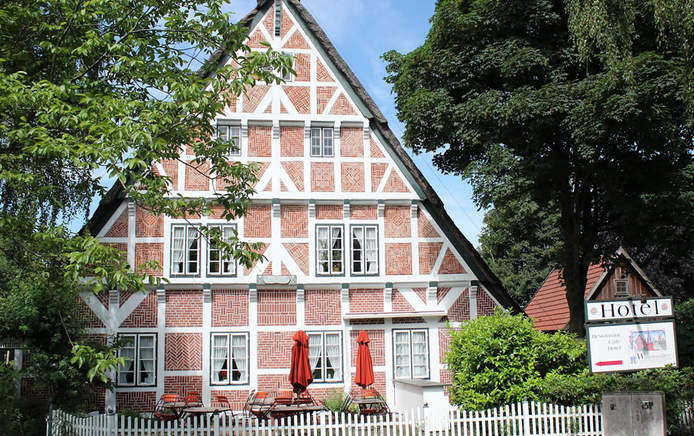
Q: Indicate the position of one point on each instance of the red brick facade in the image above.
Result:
(294, 221)
(229, 308)
(276, 307)
(323, 307)
(273, 349)
(184, 309)
(292, 141)
(183, 351)
(366, 300)
(398, 258)
(182, 384)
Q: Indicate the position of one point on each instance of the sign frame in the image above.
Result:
(587, 303)
(659, 321)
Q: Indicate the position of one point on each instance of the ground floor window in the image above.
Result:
(230, 358)
(411, 353)
(139, 351)
(325, 356)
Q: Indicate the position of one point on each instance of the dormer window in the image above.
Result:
(622, 289)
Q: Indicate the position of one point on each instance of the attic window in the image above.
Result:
(278, 18)
(622, 288)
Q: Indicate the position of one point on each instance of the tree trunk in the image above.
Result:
(574, 256)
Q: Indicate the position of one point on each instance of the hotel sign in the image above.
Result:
(614, 310)
(630, 347)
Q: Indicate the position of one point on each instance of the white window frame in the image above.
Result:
(219, 256)
(410, 355)
(321, 139)
(617, 291)
(229, 132)
(362, 249)
(137, 370)
(188, 230)
(323, 359)
(230, 357)
(330, 250)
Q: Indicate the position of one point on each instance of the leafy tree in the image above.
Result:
(106, 87)
(592, 143)
(501, 358)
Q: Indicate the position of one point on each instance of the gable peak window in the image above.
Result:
(322, 141)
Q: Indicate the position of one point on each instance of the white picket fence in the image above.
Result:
(521, 419)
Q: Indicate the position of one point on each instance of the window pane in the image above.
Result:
(327, 142)
(315, 351)
(193, 247)
(333, 357)
(315, 142)
(126, 372)
(178, 252)
(402, 354)
(240, 358)
(219, 359)
(235, 137)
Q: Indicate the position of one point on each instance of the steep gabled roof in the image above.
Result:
(549, 307)
(379, 125)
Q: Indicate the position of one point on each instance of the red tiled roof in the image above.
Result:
(549, 307)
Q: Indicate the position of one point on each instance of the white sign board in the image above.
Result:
(628, 309)
(630, 347)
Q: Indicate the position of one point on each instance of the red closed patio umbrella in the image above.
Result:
(365, 370)
(300, 375)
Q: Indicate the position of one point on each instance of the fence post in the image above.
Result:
(215, 427)
(111, 423)
(526, 417)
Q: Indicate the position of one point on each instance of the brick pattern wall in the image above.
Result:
(398, 258)
(450, 264)
(184, 308)
(141, 401)
(375, 149)
(229, 308)
(147, 252)
(93, 338)
(428, 253)
(366, 300)
(299, 253)
(485, 305)
(144, 315)
(444, 342)
(394, 183)
(352, 142)
(323, 96)
(255, 40)
(409, 320)
(276, 307)
(183, 351)
(259, 141)
(287, 24)
(460, 309)
(322, 73)
(171, 169)
(329, 211)
(119, 229)
(32, 391)
(257, 221)
(252, 98)
(353, 177)
(269, 22)
(291, 141)
(197, 176)
(273, 382)
(397, 222)
(183, 384)
(294, 221)
(300, 98)
(296, 41)
(400, 303)
(322, 177)
(88, 316)
(322, 307)
(342, 106)
(236, 398)
(362, 212)
(368, 321)
(274, 349)
(260, 171)
(377, 346)
(378, 170)
(424, 227)
(302, 66)
(148, 224)
(441, 293)
(295, 171)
